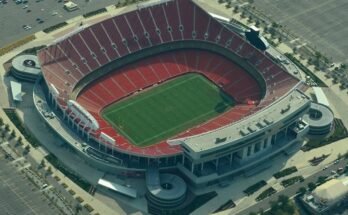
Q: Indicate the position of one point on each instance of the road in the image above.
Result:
(291, 191)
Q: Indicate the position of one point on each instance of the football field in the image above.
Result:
(168, 109)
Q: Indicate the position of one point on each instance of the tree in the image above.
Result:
(78, 208)
(302, 190)
(321, 179)
(274, 206)
(257, 23)
(1, 121)
(7, 127)
(274, 25)
(13, 134)
(235, 9)
(42, 163)
(250, 18)
(311, 186)
(243, 14)
(49, 169)
(283, 199)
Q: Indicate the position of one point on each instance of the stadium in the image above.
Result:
(170, 88)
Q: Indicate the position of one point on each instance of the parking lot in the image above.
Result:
(18, 194)
(321, 23)
(14, 16)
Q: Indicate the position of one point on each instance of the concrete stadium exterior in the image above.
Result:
(202, 158)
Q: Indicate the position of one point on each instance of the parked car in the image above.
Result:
(26, 27)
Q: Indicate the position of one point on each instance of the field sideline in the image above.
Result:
(167, 109)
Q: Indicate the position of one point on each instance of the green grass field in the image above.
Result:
(168, 109)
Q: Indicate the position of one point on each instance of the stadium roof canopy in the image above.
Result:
(321, 97)
(16, 89)
(118, 188)
(252, 125)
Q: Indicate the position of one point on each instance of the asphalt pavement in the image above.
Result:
(13, 16)
(320, 23)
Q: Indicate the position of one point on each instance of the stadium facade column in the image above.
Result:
(53, 100)
(216, 163)
(231, 159)
(84, 130)
(252, 151)
(244, 153)
(69, 117)
(64, 113)
(88, 133)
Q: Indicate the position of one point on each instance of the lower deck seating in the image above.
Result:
(145, 73)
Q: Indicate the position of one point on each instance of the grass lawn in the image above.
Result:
(168, 109)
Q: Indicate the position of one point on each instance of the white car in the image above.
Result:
(25, 6)
(44, 186)
(54, 13)
(26, 27)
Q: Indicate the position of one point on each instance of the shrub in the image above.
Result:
(340, 132)
(270, 191)
(54, 27)
(95, 12)
(285, 172)
(255, 187)
(12, 115)
(89, 208)
(290, 181)
(16, 44)
(72, 192)
(67, 172)
(79, 199)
